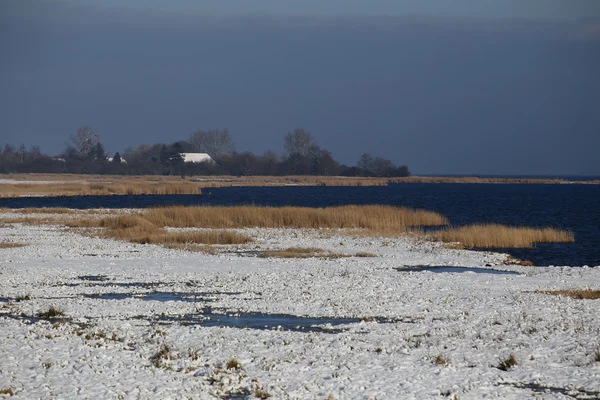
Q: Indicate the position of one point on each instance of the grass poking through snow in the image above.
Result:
(507, 363)
(11, 245)
(310, 252)
(579, 294)
(51, 313)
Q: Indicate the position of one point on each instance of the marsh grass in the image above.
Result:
(103, 186)
(309, 252)
(11, 245)
(51, 313)
(369, 217)
(500, 236)
(579, 294)
(136, 228)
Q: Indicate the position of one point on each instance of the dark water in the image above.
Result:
(459, 270)
(574, 207)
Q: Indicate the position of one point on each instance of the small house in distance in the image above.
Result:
(197, 158)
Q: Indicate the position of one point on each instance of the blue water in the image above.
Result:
(575, 207)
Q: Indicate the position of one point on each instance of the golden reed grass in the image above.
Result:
(375, 218)
(500, 236)
(98, 189)
(579, 294)
(137, 229)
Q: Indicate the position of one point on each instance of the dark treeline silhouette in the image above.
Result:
(85, 154)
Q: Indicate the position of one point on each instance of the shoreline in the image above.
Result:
(46, 185)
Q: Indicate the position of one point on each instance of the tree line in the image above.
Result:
(85, 154)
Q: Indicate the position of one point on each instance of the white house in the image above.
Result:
(197, 158)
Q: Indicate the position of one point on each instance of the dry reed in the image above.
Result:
(132, 187)
(579, 294)
(11, 245)
(137, 229)
(375, 218)
(500, 236)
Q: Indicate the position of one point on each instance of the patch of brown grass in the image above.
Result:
(500, 236)
(7, 391)
(579, 294)
(44, 210)
(127, 187)
(376, 218)
(136, 228)
(11, 245)
(309, 252)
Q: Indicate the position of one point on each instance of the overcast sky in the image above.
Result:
(445, 87)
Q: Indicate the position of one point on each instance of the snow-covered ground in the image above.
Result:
(448, 335)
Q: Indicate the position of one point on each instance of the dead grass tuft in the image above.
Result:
(441, 360)
(500, 236)
(7, 391)
(234, 364)
(579, 294)
(51, 313)
(508, 363)
(162, 354)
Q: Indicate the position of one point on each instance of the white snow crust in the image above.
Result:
(103, 348)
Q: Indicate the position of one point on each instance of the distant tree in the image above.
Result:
(365, 164)
(22, 152)
(84, 142)
(298, 143)
(117, 158)
(98, 153)
(34, 152)
(9, 152)
(215, 142)
(170, 156)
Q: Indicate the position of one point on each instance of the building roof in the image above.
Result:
(197, 158)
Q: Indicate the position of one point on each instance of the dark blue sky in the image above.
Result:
(468, 90)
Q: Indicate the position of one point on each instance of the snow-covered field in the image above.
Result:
(448, 333)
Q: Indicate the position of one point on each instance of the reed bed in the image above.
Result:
(135, 228)
(369, 217)
(579, 294)
(500, 236)
(98, 189)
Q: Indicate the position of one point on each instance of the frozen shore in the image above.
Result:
(418, 335)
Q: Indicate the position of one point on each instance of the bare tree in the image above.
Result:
(215, 142)
(85, 141)
(298, 143)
